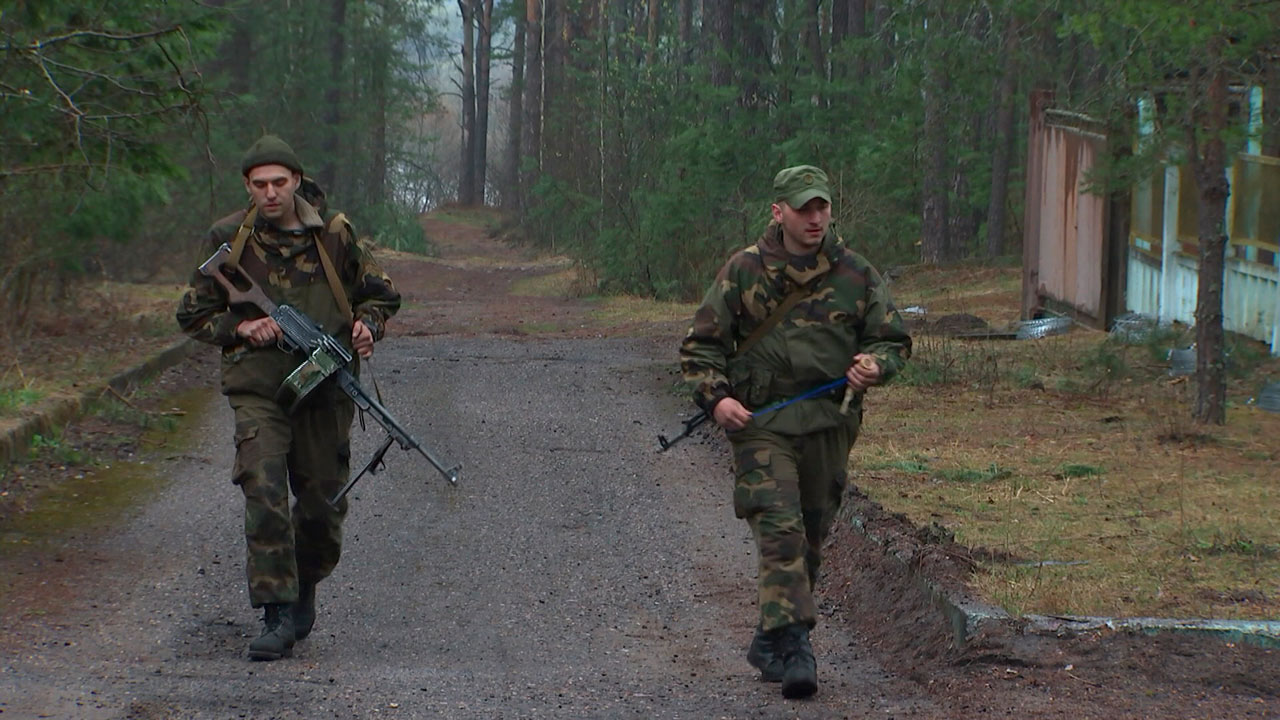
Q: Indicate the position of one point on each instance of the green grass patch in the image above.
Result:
(14, 399)
(968, 475)
(52, 446)
(1076, 470)
(1229, 541)
(915, 467)
(114, 410)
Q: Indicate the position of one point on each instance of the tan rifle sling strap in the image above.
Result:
(770, 322)
(237, 245)
(330, 272)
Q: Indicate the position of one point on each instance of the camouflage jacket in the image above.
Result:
(287, 268)
(846, 311)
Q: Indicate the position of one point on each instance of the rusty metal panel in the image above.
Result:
(1085, 293)
(1040, 100)
(1066, 226)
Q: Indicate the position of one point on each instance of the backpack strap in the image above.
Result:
(770, 322)
(334, 229)
(246, 227)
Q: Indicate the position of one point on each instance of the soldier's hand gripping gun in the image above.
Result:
(325, 357)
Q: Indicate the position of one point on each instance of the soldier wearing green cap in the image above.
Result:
(795, 311)
(301, 254)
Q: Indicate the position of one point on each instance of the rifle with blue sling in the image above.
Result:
(692, 423)
(325, 357)
(761, 330)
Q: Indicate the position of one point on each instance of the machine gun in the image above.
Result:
(325, 357)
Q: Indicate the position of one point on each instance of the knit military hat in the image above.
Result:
(269, 150)
(798, 185)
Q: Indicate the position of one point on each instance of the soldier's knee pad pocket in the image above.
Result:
(247, 454)
(753, 489)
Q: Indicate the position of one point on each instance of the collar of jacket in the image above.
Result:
(307, 215)
(800, 269)
(289, 243)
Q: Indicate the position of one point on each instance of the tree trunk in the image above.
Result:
(1271, 107)
(1002, 154)
(718, 19)
(786, 62)
(684, 30)
(839, 22)
(484, 40)
(884, 59)
(555, 72)
(935, 242)
(467, 175)
(754, 43)
(328, 175)
(848, 20)
(651, 53)
(235, 51)
(532, 141)
(857, 28)
(813, 37)
(1209, 162)
(511, 190)
(376, 187)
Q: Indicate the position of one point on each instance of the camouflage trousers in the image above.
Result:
(307, 453)
(788, 489)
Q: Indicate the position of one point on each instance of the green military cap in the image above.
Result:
(798, 185)
(269, 150)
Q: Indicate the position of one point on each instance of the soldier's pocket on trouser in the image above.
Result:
(756, 487)
(248, 456)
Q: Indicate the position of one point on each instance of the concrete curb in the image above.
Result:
(14, 443)
(966, 616)
(1262, 633)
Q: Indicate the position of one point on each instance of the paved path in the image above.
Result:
(572, 573)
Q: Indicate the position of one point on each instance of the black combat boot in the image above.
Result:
(276, 640)
(763, 655)
(304, 611)
(799, 670)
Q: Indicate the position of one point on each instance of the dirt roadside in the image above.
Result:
(1002, 673)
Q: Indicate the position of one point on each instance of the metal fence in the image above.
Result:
(1162, 263)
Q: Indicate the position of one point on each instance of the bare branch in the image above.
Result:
(84, 72)
(41, 44)
(38, 169)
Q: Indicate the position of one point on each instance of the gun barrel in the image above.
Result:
(451, 474)
(368, 404)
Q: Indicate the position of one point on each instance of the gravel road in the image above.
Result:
(574, 572)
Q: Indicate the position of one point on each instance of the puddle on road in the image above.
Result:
(105, 491)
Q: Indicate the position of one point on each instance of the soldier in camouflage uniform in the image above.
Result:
(286, 243)
(835, 319)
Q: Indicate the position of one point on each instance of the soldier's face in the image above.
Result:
(803, 227)
(272, 188)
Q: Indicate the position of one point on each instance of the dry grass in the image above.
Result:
(1072, 468)
(622, 310)
(565, 283)
(68, 350)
